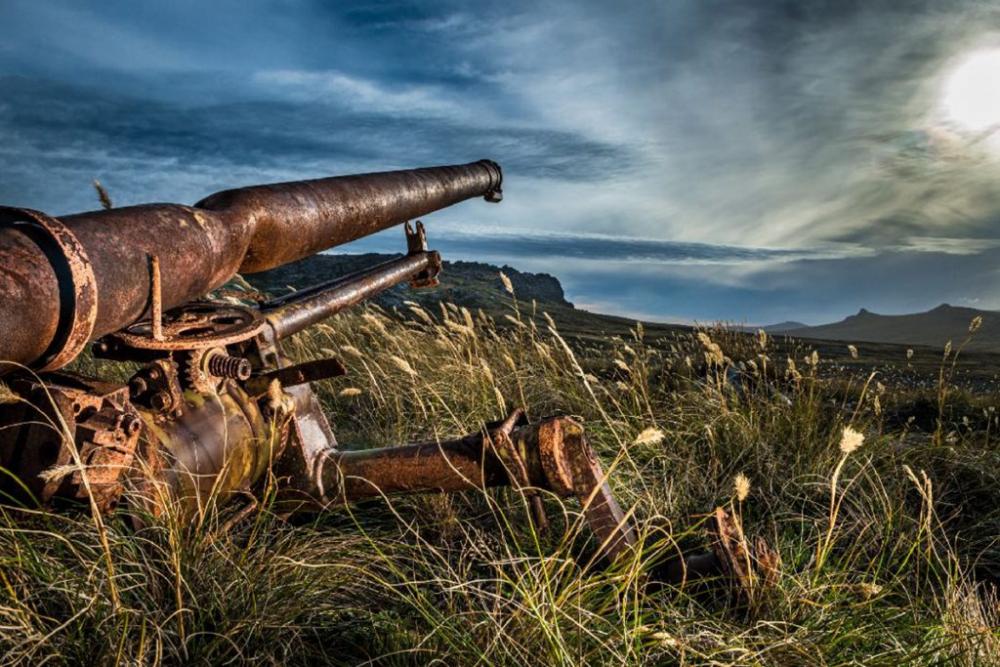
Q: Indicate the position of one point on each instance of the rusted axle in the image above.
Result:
(66, 281)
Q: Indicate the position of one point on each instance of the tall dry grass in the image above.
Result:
(888, 535)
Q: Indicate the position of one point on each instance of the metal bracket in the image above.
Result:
(416, 243)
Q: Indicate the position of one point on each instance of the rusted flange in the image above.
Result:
(77, 284)
(515, 464)
(553, 458)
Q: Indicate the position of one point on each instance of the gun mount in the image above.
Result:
(215, 404)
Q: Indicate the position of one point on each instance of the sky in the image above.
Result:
(683, 160)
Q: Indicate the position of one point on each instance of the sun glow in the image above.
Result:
(971, 96)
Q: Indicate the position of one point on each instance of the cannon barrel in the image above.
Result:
(66, 281)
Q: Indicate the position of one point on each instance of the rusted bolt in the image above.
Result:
(130, 424)
(222, 365)
(137, 386)
(160, 400)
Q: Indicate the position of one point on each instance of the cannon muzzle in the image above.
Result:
(65, 281)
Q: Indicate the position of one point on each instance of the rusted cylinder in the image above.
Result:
(219, 446)
(66, 281)
(461, 464)
(295, 220)
(453, 465)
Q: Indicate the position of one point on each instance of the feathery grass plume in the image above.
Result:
(909, 354)
(792, 372)
(509, 360)
(513, 320)
(349, 392)
(102, 195)
(592, 379)
(8, 395)
(741, 486)
(649, 436)
(761, 339)
(853, 350)
(947, 349)
(467, 317)
(487, 371)
(58, 472)
(713, 353)
(548, 320)
(352, 351)
(850, 440)
(376, 322)
(507, 285)
(422, 314)
(275, 397)
(622, 365)
(460, 328)
(403, 365)
(976, 322)
(813, 359)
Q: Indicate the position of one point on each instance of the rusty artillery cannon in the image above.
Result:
(214, 404)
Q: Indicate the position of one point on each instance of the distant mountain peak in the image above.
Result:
(933, 327)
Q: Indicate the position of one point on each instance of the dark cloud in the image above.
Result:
(691, 132)
(94, 133)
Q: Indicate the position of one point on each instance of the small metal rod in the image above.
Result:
(156, 297)
(295, 314)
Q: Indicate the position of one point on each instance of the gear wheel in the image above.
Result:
(193, 371)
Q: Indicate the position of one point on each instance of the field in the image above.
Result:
(889, 548)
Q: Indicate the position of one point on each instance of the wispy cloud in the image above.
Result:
(359, 94)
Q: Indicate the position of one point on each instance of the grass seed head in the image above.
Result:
(850, 440)
(507, 285)
(649, 436)
(7, 395)
(403, 365)
(741, 486)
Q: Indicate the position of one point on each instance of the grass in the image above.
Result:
(890, 549)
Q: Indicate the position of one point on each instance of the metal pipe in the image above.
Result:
(66, 281)
(295, 313)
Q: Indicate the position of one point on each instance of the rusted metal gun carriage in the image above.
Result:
(214, 404)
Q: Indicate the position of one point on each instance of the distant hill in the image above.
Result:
(780, 327)
(475, 285)
(469, 284)
(934, 327)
